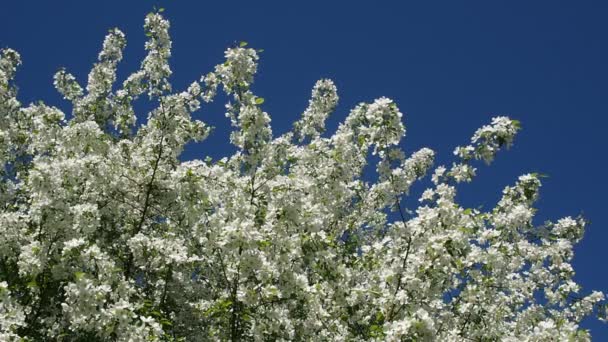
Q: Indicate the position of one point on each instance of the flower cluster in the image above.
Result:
(108, 235)
(323, 101)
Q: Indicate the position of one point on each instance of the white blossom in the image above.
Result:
(107, 234)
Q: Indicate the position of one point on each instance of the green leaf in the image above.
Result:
(516, 123)
(264, 244)
(539, 175)
(243, 44)
(259, 100)
(361, 140)
(379, 316)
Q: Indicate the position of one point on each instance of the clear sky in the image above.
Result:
(449, 65)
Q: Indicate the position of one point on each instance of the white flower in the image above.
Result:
(108, 234)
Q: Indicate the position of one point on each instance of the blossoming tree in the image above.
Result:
(107, 235)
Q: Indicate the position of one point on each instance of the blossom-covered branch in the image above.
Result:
(108, 235)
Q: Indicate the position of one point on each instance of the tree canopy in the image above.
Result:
(106, 234)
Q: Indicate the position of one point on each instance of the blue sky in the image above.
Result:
(449, 65)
